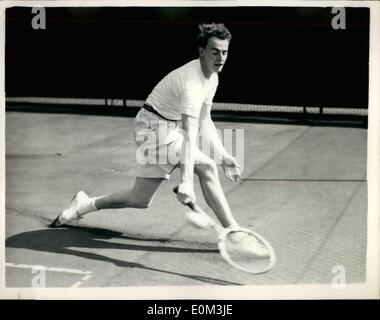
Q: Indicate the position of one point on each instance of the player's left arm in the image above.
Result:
(209, 132)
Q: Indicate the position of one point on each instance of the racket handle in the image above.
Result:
(191, 205)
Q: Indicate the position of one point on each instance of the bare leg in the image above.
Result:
(140, 196)
(213, 193)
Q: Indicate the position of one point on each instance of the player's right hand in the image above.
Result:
(186, 193)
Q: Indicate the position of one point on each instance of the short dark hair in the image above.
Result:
(207, 31)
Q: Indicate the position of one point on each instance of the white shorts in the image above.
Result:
(159, 144)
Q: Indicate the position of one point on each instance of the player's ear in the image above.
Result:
(201, 51)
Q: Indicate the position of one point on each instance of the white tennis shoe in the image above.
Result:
(72, 212)
(246, 244)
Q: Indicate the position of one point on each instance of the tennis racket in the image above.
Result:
(242, 248)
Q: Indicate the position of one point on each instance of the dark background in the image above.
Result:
(279, 56)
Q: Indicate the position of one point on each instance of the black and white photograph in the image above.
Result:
(190, 149)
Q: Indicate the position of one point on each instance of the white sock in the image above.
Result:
(88, 206)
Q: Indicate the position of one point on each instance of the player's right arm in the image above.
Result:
(186, 188)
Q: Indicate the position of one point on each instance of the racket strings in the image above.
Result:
(246, 243)
(247, 252)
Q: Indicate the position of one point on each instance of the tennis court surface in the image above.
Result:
(304, 188)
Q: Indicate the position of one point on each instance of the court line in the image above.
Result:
(53, 269)
(80, 282)
(86, 274)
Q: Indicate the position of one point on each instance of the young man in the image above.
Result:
(177, 108)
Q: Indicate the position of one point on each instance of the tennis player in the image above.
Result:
(175, 111)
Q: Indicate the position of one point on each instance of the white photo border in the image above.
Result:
(369, 289)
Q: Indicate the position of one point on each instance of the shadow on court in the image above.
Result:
(61, 240)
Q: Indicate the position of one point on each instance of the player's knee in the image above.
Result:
(207, 171)
(139, 199)
(142, 203)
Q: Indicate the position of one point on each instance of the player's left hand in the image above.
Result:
(231, 168)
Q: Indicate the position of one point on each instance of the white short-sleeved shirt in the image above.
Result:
(183, 91)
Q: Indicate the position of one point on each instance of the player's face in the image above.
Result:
(214, 56)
